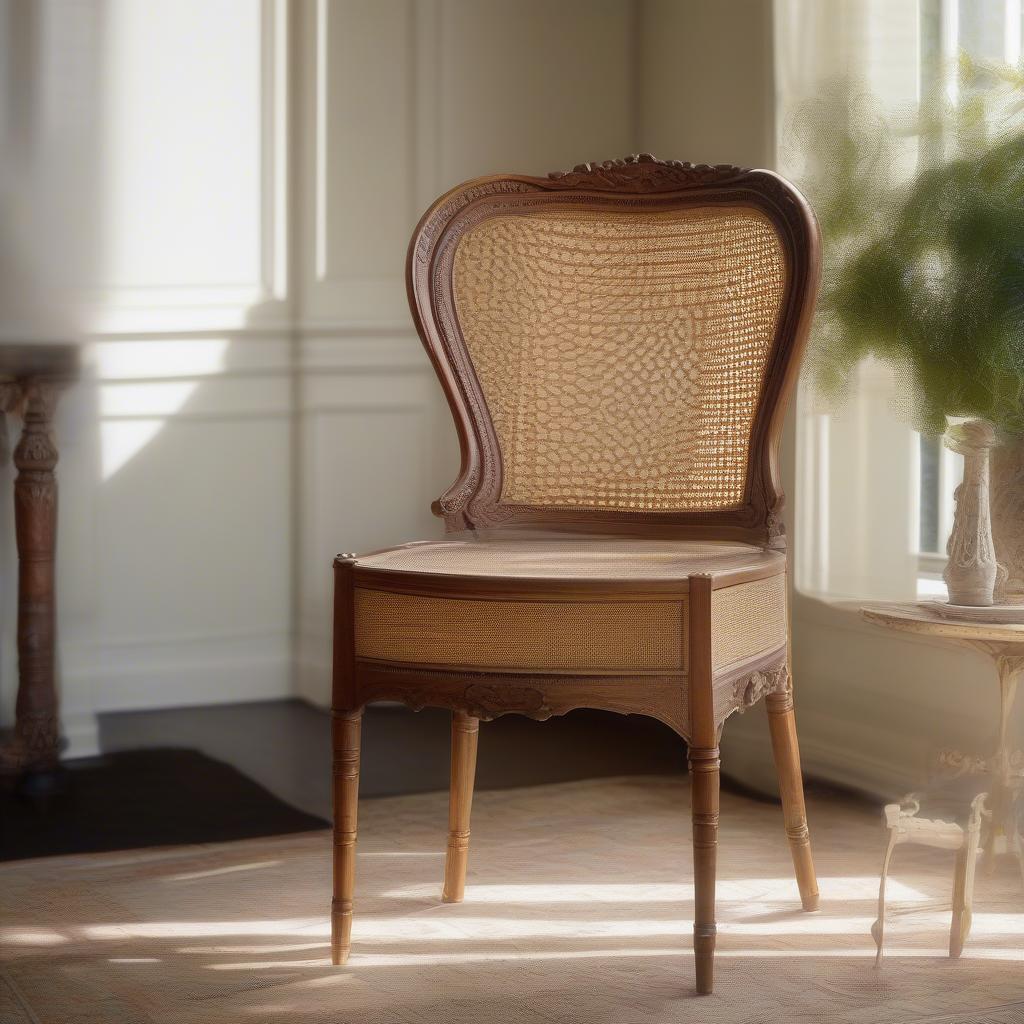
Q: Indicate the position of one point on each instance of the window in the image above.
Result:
(874, 499)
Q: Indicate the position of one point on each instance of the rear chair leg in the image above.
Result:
(465, 733)
(782, 724)
(346, 728)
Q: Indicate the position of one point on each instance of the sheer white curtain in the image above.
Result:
(873, 706)
(859, 492)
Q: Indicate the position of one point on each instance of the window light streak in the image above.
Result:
(933, 589)
(121, 441)
(320, 172)
(761, 889)
(447, 928)
(436, 854)
(194, 875)
(197, 929)
(799, 925)
(31, 938)
(145, 383)
(365, 960)
(462, 930)
(150, 399)
(1012, 31)
(288, 947)
(152, 360)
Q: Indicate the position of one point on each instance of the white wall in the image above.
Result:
(175, 534)
(401, 100)
(256, 399)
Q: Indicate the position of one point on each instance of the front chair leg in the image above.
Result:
(704, 771)
(782, 725)
(346, 728)
(465, 733)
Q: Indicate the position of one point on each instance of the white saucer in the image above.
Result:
(1003, 613)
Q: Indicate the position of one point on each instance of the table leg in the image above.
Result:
(963, 879)
(878, 928)
(35, 746)
(1009, 668)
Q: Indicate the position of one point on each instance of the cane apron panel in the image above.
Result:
(747, 620)
(537, 636)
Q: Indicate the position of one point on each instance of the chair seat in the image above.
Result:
(578, 557)
(563, 604)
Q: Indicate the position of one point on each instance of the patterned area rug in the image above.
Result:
(578, 909)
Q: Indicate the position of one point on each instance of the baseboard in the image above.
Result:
(313, 681)
(208, 670)
(859, 755)
(81, 734)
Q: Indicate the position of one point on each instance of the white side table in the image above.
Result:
(1004, 644)
(906, 827)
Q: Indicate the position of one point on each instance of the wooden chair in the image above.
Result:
(616, 343)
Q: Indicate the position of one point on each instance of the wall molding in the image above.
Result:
(192, 669)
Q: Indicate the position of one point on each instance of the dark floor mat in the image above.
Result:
(132, 799)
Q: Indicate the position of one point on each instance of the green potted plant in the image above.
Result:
(924, 269)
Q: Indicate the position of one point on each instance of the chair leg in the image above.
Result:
(465, 733)
(963, 894)
(346, 799)
(878, 928)
(782, 725)
(704, 772)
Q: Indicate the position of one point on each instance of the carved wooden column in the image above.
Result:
(31, 377)
(36, 742)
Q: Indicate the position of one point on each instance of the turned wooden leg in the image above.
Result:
(346, 727)
(782, 724)
(704, 780)
(465, 733)
(36, 732)
(704, 773)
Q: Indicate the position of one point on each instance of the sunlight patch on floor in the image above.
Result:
(855, 887)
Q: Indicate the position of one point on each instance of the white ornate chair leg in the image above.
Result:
(878, 928)
(963, 882)
(1017, 846)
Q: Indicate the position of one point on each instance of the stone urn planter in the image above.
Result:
(971, 568)
(985, 569)
(1006, 501)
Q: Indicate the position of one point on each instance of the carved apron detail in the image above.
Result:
(749, 689)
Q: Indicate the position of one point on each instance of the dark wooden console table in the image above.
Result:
(31, 379)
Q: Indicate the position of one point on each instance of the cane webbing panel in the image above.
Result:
(622, 355)
(747, 619)
(542, 636)
(592, 557)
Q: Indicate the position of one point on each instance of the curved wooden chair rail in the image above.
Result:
(617, 344)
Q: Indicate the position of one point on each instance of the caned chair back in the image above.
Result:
(617, 343)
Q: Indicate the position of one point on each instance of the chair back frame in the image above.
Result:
(636, 184)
